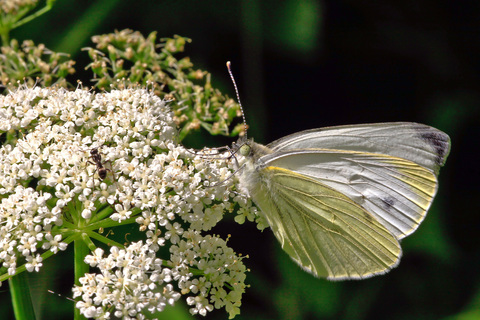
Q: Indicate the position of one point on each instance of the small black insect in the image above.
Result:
(97, 160)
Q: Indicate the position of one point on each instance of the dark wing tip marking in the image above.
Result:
(438, 140)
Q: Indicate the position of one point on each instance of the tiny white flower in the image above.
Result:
(34, 263)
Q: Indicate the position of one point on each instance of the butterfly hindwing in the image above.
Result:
(322, 230)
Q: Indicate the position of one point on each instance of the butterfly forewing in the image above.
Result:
(323, 230)
(416, 142)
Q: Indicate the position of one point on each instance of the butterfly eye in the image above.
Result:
(245, 150)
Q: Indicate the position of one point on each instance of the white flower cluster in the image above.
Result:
(13, 6)
(75, 159)
(127, 284)
(205, 270)
(26, 221)
(222, 273)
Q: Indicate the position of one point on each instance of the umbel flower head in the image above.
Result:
(77, 162)
(13, 6)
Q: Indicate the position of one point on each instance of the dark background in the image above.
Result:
(305, 64)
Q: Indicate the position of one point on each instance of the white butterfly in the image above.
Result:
(339, 199)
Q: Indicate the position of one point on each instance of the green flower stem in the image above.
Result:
(38, 13)
(23, 267)
(71, 238)
(4, 34)
(81, 250)
(72, 212)
(105, 240)
(107, 223)
(101, 214)
(86, 238)
(67, 226)
(21, 299)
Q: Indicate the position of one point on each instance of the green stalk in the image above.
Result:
(105, 240)
(81, 250)
(37, 14)
(21, 299)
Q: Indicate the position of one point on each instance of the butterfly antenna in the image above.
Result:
(229, 64)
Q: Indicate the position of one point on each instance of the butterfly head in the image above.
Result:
(245, 149)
